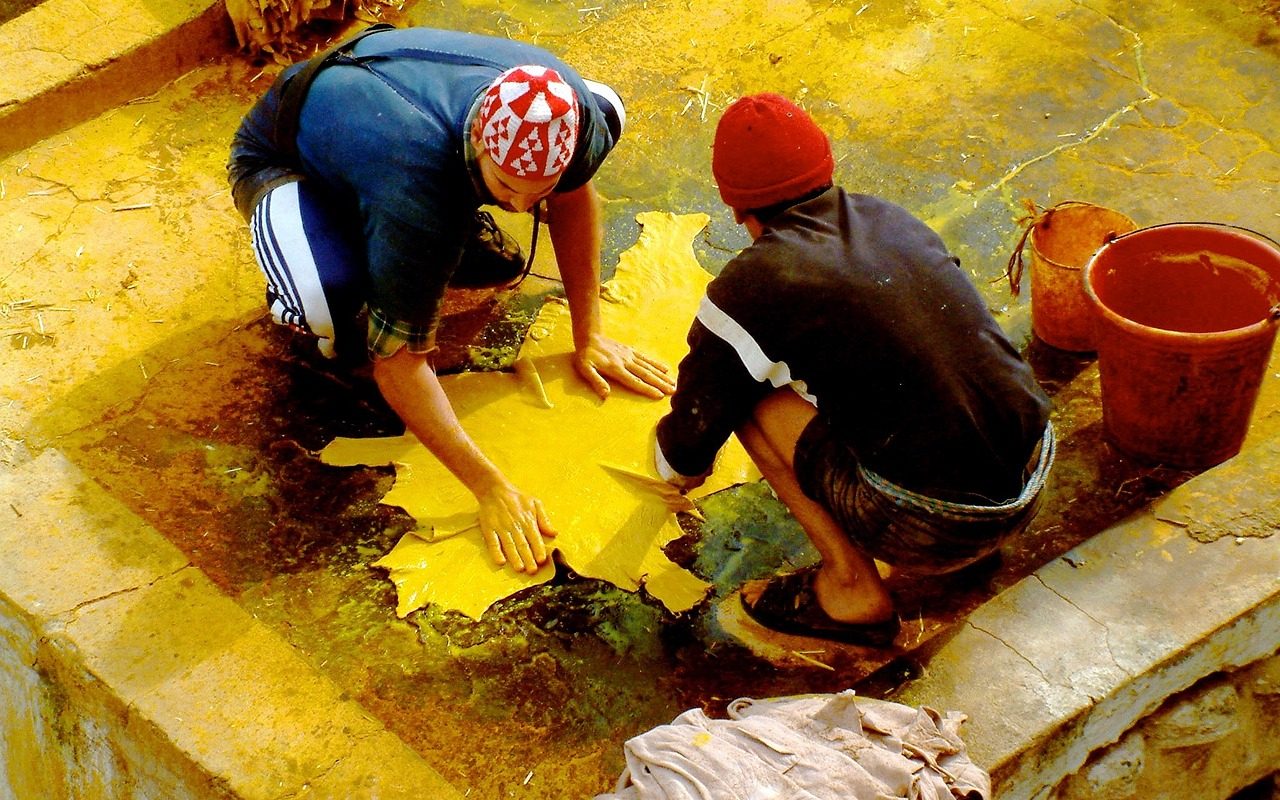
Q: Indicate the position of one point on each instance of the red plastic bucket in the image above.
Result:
(1185, 318)
(1063, 239)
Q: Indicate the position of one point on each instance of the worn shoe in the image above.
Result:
(492, 258)
(789, 604)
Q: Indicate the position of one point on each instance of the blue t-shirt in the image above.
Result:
(385, 135)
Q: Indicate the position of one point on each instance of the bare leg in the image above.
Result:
(848, 587)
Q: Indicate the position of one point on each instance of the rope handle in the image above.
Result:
(1013, 269)
(1036, 216)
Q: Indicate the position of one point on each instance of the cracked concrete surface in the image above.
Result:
(157, 440)
(204, 689)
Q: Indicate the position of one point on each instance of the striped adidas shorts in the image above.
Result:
(314, 265)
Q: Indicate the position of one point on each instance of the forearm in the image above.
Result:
(511, 523)
(715, 395)
(574, 222)
(411, 388)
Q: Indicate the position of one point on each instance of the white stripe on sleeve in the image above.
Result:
(759, 365)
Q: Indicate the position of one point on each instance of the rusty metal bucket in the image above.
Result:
(1063, 238)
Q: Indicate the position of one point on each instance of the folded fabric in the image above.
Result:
(810, 747)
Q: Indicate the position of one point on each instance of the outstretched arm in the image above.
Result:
(512, 523)
(576, 235)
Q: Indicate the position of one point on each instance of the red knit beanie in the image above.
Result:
(768, 150)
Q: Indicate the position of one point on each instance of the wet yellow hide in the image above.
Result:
(586, 460)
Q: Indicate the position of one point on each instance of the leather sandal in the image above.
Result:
(789, 604)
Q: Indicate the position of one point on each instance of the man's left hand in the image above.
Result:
(603, 360)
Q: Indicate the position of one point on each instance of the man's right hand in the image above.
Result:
(515, 527)
(512, 523)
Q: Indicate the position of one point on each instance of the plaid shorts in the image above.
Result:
(386, 336)
(912, 531)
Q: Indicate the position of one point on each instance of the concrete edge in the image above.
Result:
(1062, 664)
(55, 710)
(128, 674)
(1034, 772)
(138, 63)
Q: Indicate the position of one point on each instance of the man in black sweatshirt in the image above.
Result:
(864, 375)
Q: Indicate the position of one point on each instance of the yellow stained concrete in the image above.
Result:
(123, 255)
(119, 242)
(66, 60)
(158, 684)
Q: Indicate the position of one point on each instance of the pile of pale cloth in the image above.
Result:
(814, 747)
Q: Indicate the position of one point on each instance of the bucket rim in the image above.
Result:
(1065, 204)
(1125, 323)
(1146, 229)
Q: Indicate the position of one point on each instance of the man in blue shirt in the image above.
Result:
(361, 181)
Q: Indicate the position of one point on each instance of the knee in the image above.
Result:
(776, 423)
(754, 441)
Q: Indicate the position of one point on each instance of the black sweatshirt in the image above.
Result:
(861, 306)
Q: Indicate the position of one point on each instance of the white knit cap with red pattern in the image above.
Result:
(529, 122)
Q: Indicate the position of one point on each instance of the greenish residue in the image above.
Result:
(749, 534)
(499, 343)
(626, 623)
(590, 648)
(234, 470)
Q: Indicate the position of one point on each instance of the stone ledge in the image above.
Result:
(1225, 730)
(1068, 660)
(66, 61)
(128, 674)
